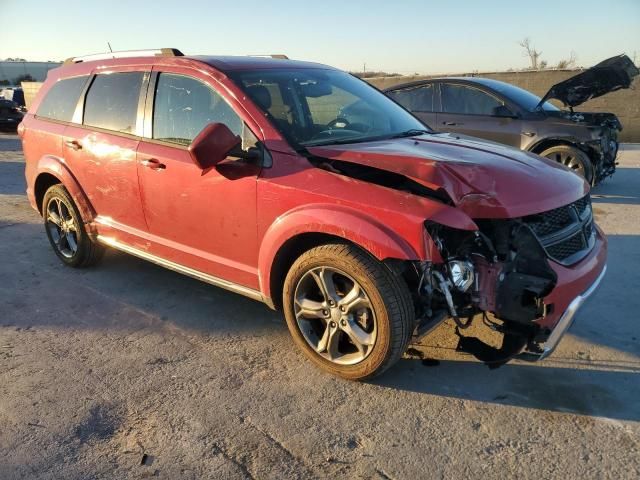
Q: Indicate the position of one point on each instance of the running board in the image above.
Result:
(176, 267)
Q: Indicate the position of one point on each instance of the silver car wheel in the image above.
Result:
(62, 228)
(335, 315)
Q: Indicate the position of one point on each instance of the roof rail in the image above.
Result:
(281, 56)
(158, 52)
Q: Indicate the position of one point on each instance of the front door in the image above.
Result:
(202, 219)
(471, 111)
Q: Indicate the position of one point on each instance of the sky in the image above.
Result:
(406, 37)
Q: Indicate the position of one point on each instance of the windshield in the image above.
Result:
(524, 98)
(322, 107)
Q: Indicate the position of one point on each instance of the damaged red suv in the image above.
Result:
(301, 186)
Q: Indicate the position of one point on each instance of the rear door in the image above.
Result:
(419, 100)
(471, 111)
(202, 219)
(102, 150)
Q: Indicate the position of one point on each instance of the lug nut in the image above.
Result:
(343, 323)
(325, 313)
(333, 324)
(342, 309)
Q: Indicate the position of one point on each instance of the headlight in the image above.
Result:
(461, 274)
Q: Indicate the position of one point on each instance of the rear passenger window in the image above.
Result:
(183, 106)
(61, 100)
(415, 99)
(112, 101)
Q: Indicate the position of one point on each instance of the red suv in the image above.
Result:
(301, 186)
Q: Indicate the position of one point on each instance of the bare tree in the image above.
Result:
(568, 62)
(531, 52)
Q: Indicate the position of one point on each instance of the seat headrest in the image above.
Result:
(260, 95)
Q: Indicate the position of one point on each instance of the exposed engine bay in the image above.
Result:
(499, 274)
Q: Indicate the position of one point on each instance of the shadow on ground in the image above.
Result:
(602, 393)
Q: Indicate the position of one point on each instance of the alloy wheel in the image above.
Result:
(62, 228)
(335, 315)
(568, 159)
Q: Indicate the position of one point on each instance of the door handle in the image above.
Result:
(73, 144)
(153, 164)
(451, 124)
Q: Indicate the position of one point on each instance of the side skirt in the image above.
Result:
(218, 282)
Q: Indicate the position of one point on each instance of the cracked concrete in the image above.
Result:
(100, 367)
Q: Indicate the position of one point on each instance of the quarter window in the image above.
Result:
(415, 99)
(467, 100)
(112, 101)
(61, 100)
(183, 106)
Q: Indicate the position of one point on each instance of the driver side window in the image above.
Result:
(467, 100)
(183, 106)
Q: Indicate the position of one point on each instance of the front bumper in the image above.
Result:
(567, 318)
(575, 285)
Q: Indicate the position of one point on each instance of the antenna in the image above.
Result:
(110, 49)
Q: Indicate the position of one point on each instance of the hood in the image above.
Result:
(607, 76)
(484, 179)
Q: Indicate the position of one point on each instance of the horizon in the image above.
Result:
(360, 36)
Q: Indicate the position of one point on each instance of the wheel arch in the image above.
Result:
(51, 171)
(299, 231)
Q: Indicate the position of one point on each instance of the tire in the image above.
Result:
(573, 158)
(382, 314)
(68, 237)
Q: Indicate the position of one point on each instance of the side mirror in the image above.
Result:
(212, 145)
(503, 111)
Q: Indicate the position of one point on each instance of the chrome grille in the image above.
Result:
(566, 233)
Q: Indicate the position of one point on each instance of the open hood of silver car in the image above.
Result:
(612, 74)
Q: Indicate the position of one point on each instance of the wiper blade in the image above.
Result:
(411, 133)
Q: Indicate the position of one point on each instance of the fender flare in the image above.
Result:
(571, 141)
(339, 221)
(56, 166)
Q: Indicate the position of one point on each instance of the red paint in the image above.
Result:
(231, 220)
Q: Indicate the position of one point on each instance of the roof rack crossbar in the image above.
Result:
(158, 52)
(281, 56)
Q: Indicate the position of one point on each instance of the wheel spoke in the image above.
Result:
(309, 308)
(332, 343)
(358, 336)
(353, 299)
(324, 280)
(54, 218)
(62, 239)
(71, 225)
(71, 242)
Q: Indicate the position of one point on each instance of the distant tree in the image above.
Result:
(531, 53)
(4, 83)
(568, 62)
(23, 78)
(14, 59)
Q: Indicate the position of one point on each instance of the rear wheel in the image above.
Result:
(571, 157)
(346, 311)
(66, 231)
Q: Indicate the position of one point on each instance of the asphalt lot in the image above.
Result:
(131, 371)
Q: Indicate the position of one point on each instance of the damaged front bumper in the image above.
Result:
(565, 322)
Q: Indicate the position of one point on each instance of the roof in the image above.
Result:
(487, 82)
(229, 63)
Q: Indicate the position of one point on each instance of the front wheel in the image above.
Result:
(347, 312)
(571, 157)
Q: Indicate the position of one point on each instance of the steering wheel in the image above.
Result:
(340, 123)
